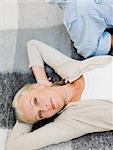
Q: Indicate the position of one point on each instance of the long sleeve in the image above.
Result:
(39, 52)
(80, 118)
(68, 68)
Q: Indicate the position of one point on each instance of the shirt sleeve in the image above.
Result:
(34, 55)
(39, 52)
(86, 116)
(22, 138)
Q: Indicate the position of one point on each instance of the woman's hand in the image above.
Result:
(45, 82)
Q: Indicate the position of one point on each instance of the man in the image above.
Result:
(86, 22)
(84, 102)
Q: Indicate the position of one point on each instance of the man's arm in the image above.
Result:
(85, 116)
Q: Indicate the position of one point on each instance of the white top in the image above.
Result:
(98, 83)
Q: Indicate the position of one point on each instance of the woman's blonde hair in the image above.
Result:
(22, 91)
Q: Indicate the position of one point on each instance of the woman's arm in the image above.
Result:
(85, 116)
(68, 68)
(37, 65)
(39, 52)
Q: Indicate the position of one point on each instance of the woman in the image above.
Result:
(84, 102)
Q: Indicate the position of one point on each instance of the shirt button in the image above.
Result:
(98, 1)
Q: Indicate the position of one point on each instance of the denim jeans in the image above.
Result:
(86, 22)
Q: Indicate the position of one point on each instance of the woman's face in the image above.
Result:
(42, 102)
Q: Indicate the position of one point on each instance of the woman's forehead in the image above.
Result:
(25, 99)
(26, 107)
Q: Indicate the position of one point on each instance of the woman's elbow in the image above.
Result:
(33, 42)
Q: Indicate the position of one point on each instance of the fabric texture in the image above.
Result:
(21, 21)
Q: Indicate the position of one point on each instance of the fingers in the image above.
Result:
(50, 79)
(44, 82)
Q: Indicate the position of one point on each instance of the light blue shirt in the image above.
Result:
(86, 21)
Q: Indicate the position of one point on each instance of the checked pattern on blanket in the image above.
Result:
(21, 21)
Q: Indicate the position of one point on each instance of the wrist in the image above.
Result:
(39, 73)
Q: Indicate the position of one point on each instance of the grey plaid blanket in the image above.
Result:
(21, 21)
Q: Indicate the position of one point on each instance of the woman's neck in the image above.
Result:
(78, 87)
(71, 92)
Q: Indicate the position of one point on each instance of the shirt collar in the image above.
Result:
(68, 105)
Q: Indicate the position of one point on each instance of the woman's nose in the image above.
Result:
(46, 107)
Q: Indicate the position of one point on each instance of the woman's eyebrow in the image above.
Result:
(35, 114)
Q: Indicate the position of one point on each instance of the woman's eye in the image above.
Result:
(40, 114)
(35, 101)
